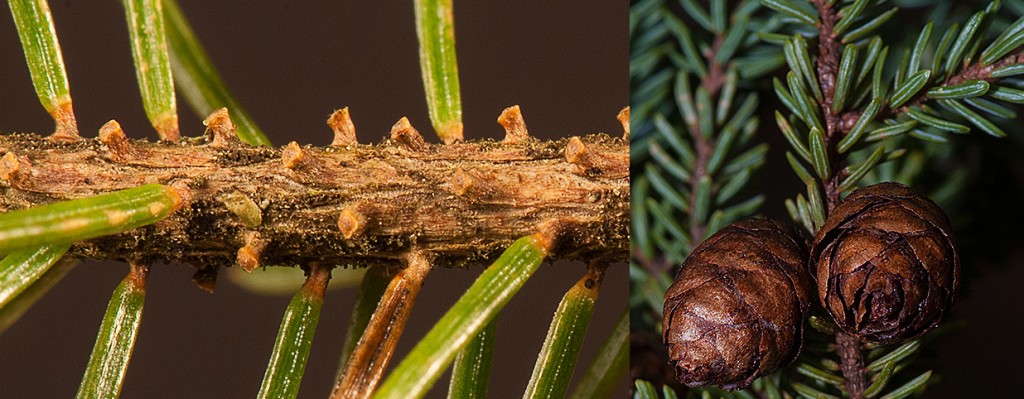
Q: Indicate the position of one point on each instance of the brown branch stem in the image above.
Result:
(829, 47)
(703, 147)
(703, 153)
(340, 205)
(851, 361)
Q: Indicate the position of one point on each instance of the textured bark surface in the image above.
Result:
(737, 308)
(338, 205)
(851, 362)
(887, 267)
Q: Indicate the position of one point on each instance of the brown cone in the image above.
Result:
(887, 268)
(737, 307)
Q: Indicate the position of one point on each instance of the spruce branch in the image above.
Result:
(910, 108)
(847, 122)
(343, 205)
(851, 362)
(703, 144)
(829, 48)
(256, 206)
(695, 148)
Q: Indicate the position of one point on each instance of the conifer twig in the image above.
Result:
(328, 204)
(828, 66)
(852, 365)
(704, 146)
(829, 48)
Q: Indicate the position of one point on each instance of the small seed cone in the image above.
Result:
(737, 307)
(887, 267)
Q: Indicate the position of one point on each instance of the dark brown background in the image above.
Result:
(290, 65)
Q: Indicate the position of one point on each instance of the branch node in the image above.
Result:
(351, 222)
(577, 153)
(515, 126)
(623, 117)
(137, 273)
(294, 157)
(248, 256)
(550, 234)
(417, 265)
(462, 182)
(67, 127)
(470, 183)
(115, 140)
(10, 165)
(407, 136)
(167, 127)
(344, 130)
(595, 273)
(223, 129)
(206, 278)
(593, 162)
(185, 197)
